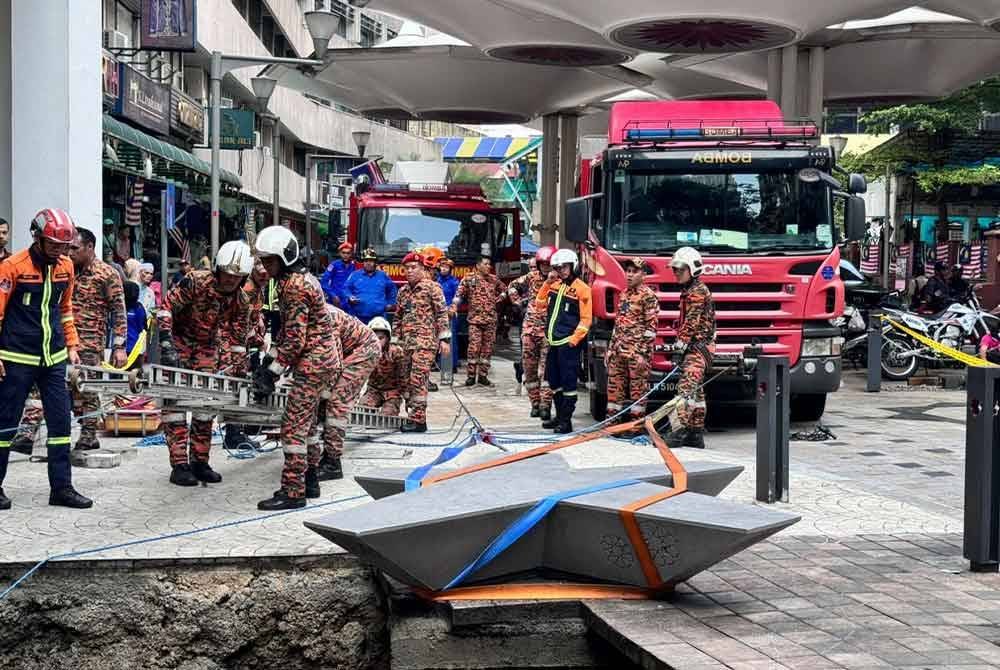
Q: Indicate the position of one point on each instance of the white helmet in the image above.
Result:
(278, 241)
(380, 324)
(689, 258)
(564, 257)
(234, 258)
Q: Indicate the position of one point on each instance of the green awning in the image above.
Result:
(173, 162)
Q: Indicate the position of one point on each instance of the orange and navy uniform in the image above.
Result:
(36, 309)
(570, 311)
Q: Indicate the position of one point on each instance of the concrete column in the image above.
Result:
(789, 81)
(549, 221)
(817, 76)
(774, 75)
(53, 156)
(802, 93)
(568, 134)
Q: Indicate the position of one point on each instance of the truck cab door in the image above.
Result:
(506, 243)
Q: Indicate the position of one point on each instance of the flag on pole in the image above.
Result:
(869, 259)
(971, 258)
(370, 171)
(133, 207)
(177, 235)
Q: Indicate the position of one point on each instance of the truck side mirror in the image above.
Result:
(856, 183)
(855, 225)
(578, 219)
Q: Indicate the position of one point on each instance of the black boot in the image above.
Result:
(553, 420)
(431, 386)
(695, 438)
(545, 412)
(470, 381)
(484, 381)
(235, 437)
(281, 501)
(535, 412)
(87, 443)
(675, 439)
(328, 470)
(4, 501)
(312, 483)
(410, 426)
(22, 444)
(203, 472)
(182, 476)
(565, 415)
(68, 497)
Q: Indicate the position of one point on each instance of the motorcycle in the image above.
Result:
(960, 326)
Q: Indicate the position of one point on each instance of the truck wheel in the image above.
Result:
(598, 405)
(807, 406)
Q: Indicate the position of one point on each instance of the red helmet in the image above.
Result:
(53, 224)
(346, 246)
(413, 257)
(544, 254)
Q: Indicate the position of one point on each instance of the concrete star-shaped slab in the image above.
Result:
(427, 536)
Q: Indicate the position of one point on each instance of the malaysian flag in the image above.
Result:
(971, 256)
(133, 208)
(941, 252)
(904, 257)
(369, 171)
(177, 235)
(869, 259)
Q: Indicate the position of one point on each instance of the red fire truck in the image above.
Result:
(396, 219)
(752, 192)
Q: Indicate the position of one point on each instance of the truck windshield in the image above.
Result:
(461, 234)
(768, 212)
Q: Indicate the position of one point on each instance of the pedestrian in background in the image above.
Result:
(334, 280)
(137, 320)
(4, 238)
(370, 292)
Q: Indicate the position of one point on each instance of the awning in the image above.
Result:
(499, 149)
(173, 163)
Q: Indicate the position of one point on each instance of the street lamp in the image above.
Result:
(263, 88)
(361, 140)
(321, 28)
(838, 143)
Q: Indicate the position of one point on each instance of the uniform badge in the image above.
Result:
(5, 285)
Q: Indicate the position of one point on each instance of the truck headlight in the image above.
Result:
(822, 346)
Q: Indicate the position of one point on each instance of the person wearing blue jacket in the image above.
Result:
(449, 286)
(335, 278)
(370, 291)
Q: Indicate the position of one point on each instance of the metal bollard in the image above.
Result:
(981, 541)
(772, 428)
(874, 384)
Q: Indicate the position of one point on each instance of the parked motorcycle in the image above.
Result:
(961, 326)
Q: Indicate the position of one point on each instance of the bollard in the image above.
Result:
(981, 542)
(772, 428)
(874, 384)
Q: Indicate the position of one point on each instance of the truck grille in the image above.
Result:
(758, 287)
(747, 339)
(728, 306)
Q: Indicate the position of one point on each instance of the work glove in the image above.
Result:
(168, 354)
(264, 379)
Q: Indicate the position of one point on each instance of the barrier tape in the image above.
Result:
(961, 356)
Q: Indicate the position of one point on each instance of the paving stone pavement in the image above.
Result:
(872, 576)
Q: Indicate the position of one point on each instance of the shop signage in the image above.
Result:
(168, 25)
(237, 129)
(187, 116)
(110, 76)
(143, 101)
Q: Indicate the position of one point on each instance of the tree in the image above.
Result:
(925, 146)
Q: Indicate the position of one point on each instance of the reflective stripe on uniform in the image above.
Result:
(23, 359)
(569, 394)
(33, 403)
(337, 423)
(46, 326)
(238, 350)
(57, 441)
(531, 385)
(295, 449)
(614, 407)
(58, 357)
(4, 444)
(326, 395)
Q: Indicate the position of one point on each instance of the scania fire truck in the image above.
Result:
(754, 193)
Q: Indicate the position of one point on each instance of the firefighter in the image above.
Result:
(483, 292)
(203, 324)
(306, 350)
(37, 338)
(360, 349)
(432, 256)
(569, 310)
(98, 299)
(630, 352)
(448, 282)
(534, 346)
(423, 331)
(370, 292)
(334, 280)
(696, 344)
(385, 385)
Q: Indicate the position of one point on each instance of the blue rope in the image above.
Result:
(525, 523)
(185, 533)
(416, 476)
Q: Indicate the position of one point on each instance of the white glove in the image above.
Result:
(679, 346)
